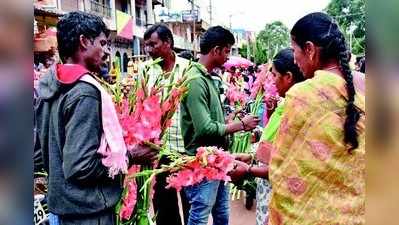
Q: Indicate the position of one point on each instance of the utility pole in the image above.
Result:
(194, 22)
(210, 12)
(230, 19)
(248, 47)
(150, 13)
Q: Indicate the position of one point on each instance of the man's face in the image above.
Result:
(97, 52)
(222, 54)
(155, 47)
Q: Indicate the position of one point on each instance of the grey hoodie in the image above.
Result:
(69, 129)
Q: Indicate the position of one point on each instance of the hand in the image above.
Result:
(238, 110)
(240, 171)
(142, 155)
(243, 157)
(271, 103)
(264, 152)
(256, 135)
(250, 122)
(230, 117)
(233, 114)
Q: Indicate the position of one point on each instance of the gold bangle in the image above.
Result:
(252, 157)
(249, 170)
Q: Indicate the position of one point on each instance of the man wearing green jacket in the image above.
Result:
(203, 124)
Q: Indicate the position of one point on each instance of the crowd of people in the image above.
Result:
(309, 161)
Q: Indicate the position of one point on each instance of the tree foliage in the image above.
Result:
(350, 14)
(274, 37)
(243, 51)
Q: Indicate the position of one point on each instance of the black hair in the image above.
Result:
(163, 31)
(320, 29)
(284, 62)
(215, 36)
(251, 69)
(362, 65)
(186, 55)
(74, 24)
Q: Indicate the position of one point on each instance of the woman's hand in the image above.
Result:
(239, 172)
(243, 157)
(271, 104)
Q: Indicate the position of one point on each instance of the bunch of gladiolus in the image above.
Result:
(236, 96)
(145, 111)
(265, 86)
(262, 90)
(264, 83)
(210, 163)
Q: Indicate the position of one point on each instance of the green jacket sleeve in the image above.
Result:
(198, 108)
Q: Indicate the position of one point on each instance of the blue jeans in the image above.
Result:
(53, 219)
(207, 197)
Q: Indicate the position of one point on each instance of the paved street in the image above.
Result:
(239, 215)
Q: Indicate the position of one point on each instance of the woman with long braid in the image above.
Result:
(317, 162)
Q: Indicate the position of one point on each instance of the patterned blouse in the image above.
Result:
(314, 178)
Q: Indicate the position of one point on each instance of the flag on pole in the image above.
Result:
(124, 25)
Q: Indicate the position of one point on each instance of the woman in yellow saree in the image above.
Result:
(317, 166)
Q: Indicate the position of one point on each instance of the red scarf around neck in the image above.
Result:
(70, 73)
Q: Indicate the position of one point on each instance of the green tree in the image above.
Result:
(259, 52)
(243, 51)
(351, 17)
(274, 37)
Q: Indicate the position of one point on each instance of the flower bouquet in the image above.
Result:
(236, 96)
(145, 110)
(262, 91)
(210, 163)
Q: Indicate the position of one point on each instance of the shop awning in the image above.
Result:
(45, 40)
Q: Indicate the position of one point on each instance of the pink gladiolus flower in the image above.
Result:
(166, 106)
(211, 159)
(129, 201)
(181, 179)
(235, 96)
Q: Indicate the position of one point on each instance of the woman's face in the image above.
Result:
(303, 60)
(282, 81)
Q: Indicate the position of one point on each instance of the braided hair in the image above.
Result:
(320, 29)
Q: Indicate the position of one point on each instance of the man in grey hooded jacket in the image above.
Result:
(69, 127)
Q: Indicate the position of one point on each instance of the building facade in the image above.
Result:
(127, 20)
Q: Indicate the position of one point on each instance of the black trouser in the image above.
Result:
(165, 202)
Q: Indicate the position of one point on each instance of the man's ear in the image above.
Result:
(218, 50)
(83, 42)
(212, 51)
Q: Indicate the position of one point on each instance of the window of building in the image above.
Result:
(125, 60)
